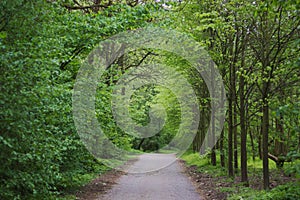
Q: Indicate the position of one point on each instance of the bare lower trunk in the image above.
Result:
(244, 172)
(265, 136)
(230, 131)
(235, 142)
(222, 156)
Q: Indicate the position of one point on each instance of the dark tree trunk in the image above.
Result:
(230, 126)
(280, 148)
(265, 136)
(259, 131)
(203, 132)
(235, 142)
(244, 172)
(221, 141)
(222, 156)
(213, 119)
(252, 145)
(141, 143)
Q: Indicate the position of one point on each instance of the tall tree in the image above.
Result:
(275, 27)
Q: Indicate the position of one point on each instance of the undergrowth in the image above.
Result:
(236, 191)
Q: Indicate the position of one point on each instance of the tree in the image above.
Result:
(42, 45)
(271, 36)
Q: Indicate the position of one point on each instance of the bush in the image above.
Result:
(289, 191)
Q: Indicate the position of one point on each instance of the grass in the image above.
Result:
(258, 164)
(253, 165)
(135, 152)
(203, 164)
(167, 151)
(288, 191)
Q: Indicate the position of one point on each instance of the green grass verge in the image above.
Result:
(289, 191)
(203, 164)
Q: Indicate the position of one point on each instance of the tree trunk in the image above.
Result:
(259, 131)
(280, 148)
(230, 126)
(140, 144)
(222, 156)
(213, 118)
(235, 142)
(252, 145)
(244, 172)
(265, 136)
(202, 131)
(221, 142)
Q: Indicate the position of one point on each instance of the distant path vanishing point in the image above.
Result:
(168, 183)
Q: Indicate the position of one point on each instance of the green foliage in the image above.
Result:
(293, 168)
(289, 191)
(42, 45)
(203, 164)
(195, 159)
(171, 105)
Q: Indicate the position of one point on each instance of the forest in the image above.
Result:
(253, 45)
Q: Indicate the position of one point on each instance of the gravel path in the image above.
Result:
(168, 183)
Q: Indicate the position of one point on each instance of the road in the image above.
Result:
(167, 183)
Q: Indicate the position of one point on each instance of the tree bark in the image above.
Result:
(213, 118)
(244, 173)
(222, 156)
(235, 138)
(252, 145)
(259, 131)
(221, 142)
(230, 127)
(265, 136)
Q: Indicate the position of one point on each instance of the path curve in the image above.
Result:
(168, 183)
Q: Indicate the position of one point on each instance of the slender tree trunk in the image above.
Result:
(213, 151)
(213, 120)
(140, 144)
(265, 136)
(280, 147)
(230, 126)
(204, 120)
(235, 142)
(221, 141)
(222, 156)
(252, 145)
(244, 172)
(259, 131)
(217, 145)
(197, 141)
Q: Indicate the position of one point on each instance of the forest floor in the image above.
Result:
(168, 183)
(221, 187)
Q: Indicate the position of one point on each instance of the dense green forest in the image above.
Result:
(254, 44)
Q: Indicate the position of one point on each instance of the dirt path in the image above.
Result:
(168, 183)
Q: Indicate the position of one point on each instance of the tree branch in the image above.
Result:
(86, 7)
